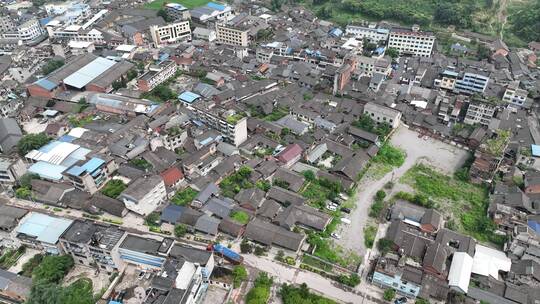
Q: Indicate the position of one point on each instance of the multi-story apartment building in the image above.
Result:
(211, 12)
(230, 124)
(146, 253)
(406, 280)
(232, 35)
(156, 75)
(11, 170)
(144, 195)
(90, 175)
(76, 29)
(480, 112)
(93, 244)
(7, 24)
(177, 11)
(28, 32)
(383, 114)
(448, 80)
(173, 138)
(411, 41)
(368, 66)
(371, 32)
(343, 74)
(170, 33)
(471, 83)
(514, 95)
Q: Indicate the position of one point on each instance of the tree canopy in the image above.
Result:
(30, 142)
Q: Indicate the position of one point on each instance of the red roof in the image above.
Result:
(171, 176)
(290, 153)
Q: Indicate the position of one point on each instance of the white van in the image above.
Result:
(345, 221)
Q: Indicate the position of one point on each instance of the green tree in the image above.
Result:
(385, 245)
(380, 195)
(113, 188)
(309, 175)
(30, 142)
(389, 294)
(51, 66)
(421, 301)
(131, 74)
(239, 275)
(26, 180)
(482, 52)
(152, 219)
(245, 247)
(163, 13)
(53, 268)
(392, 52)
(260, 292)
(180, 230)
(23, 193)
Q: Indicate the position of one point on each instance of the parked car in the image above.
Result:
(345, 221)
(346, 210)
(331, 207)
(401, 300)
(336, 236)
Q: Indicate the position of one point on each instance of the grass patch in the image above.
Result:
(311, 261)
(370, 233)
(318, 191)
(390, 155)
(113, 188)
(465, 202)
(377, 170)
(260, 293)
(184, 197)
(141, 163)
(240, 217)
(232, 184)
(293, 295)
(156, 5)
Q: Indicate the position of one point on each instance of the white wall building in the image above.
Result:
(170, 33)
(371, 33)
(411, 41)
(383, 114)
(144, 195)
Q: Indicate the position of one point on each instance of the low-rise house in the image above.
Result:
(292, 180)
(428, 220)
(219, 207)
(10, 217)
(207, 225)
(144, 195)
(272, 235)
(10, 134)
(303, 216)
(285, 197)
(15, 288)
(250, 199)
(290, 155)
(382, 114)
(172, 178)
(11, 169)
(391, 273)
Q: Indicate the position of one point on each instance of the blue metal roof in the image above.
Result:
(46, 84)
(535, 150)
(172, 213)
(188, 96)
(44, 228)
(216, 6)
(75, 171)
(66, 138)
(47, 171)
(534, 225)
(93, 164)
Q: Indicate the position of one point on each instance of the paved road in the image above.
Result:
(286, 274)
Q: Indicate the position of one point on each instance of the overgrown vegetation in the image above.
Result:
(30, 265)
(161, 93)
(465, 202)
(240, 217)
(370, 232)
(239, 275)
(524, 20)
(113, 188)
(31, 142)
(51, 66)
(141, 163)
(367, 124)
(318, 190)
(180, 230)
(389, 294)
(184, 197)
(237, 181)
(390, 155)
(378, 205)
(260, 293)
(301, 295)
(11, 256)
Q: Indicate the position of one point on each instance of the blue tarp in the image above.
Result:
(216, 6)
(535, 150)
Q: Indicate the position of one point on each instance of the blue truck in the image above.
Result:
(226, 253)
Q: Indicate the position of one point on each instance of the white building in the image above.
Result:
(383, 114)
(27, 32)
(144, 195)
(204, 34)
(232, 126)
(371, 33)
(77, 28)
(170, 33)
(368, 66)
(516, 96)
(81, 47)
(459, 275)
(411, 41)
(480, 112)
(156, 75)
(232, 35)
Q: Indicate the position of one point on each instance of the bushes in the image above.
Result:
(349, 280)
(390, 155)
(180, 230)
(240, 217)
(52, 269)
(418, 199)
(184, 197)
(260, 293)
(31, 142)
(246, 247)
(232, 184)
(385, 245)
(378, 205)
(113, 188)
(239, 275)
(51, 66)
(30, 265)
(389, 294)
(294, 295)
(370, 233)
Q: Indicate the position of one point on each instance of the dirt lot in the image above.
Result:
(443, 156)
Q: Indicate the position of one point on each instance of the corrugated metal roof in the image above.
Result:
(93, 164)
(188, 96)
(89, 72)
(216, 6)
(47, 171)
(45, 228)
(46, 84)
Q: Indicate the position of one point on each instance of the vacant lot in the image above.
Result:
(187, 3)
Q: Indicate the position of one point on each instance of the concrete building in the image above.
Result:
(405, 280)
(177, 11)
(146, 253)
(28, 32)
(371, 32)
(93, 244)
(144, 195)
(173, 138)
(514, 95)
(90, 175)
(368, 66)
(156, 75)
(211, 12)
(471, 83)
(383, 114)
(343, 74)
(170, 33)
(411, 41)
(480, 112)
(231, 125)
(11, 170)
(230, 35)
